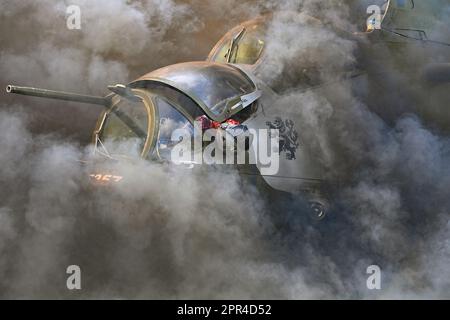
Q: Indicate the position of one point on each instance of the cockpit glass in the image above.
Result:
(213, 84)
(125, 130)
(210, 86)
(229, 86)
(170, 120)
(245, 46)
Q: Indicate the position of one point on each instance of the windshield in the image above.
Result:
(125, 130)
(243, 46)
(214, 85)
(170, 120)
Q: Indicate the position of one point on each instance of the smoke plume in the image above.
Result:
(171, 233)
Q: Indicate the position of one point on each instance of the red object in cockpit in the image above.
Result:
(207, 123)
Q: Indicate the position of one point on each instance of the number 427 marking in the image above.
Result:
(106, 177)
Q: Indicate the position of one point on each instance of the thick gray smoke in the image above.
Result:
(171, 233)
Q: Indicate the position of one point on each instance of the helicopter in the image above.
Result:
(225, 93)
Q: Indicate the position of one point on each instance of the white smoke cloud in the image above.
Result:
(172, 233)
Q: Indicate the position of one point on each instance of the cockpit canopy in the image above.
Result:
(244, 44)
(140, 129)
(220, 90)
(170, 99)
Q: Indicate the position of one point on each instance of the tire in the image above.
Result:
(318, 209)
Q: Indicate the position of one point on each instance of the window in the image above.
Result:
(170, 119)
(244, 46)
(125, 129)
(215, 85)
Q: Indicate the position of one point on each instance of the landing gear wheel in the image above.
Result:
(318, 210)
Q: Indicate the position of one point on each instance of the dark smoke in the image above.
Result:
(168, 233)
